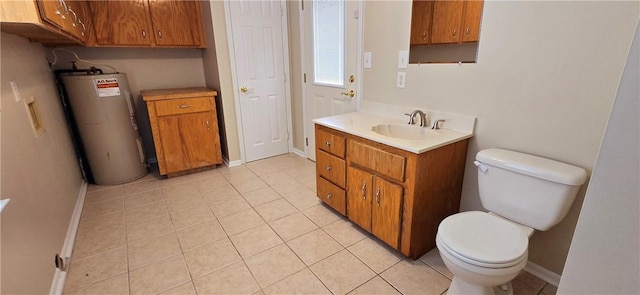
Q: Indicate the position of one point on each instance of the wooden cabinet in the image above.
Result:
(148, 23)
(184, 127)
(445, 21)
(398, 196)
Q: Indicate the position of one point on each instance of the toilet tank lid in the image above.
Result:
(533, 166)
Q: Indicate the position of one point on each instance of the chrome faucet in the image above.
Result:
(423, 117)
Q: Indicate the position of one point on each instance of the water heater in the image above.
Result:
(104, 112)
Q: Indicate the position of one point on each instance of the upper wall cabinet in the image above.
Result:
(142, 23)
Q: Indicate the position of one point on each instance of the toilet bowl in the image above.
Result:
(485, 251)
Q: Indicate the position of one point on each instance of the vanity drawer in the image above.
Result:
(183, 106)
(331, 168)
(382, 162)
(332, 195)
(330, 142)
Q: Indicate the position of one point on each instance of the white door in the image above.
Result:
(331, 53)
(257, 28)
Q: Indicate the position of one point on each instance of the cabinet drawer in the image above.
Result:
(383, 162)
(330, 142)
(182, 106)
(332, 195)
(331, 168)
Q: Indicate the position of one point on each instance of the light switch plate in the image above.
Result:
(367, 60)
(401, 79)
(403, 59)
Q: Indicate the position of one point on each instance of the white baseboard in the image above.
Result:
(231, 163)
(300, 153)
(67, 248)
(542, 273)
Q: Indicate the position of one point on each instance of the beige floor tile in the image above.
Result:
(549, 289)
(530, 280)
(314, 246)
(275, 209)
(273, 265)
(520, 288)
(303, 199)
(255, 240)
(262, 167)
(118, 285)
(292, 226)
(100, 208)
(288, 188)
(141, 213)
(94, 187)
(150, 229)
(182, 202)
(415, 277)
(193, 216)
(237, 173)
(219, 193)
(375, 254)
(182, 189)
(229, 206)
(184, 289)
(233, 279)
(99, 234)
(261, 196)
(376, 286)
(309, 180)
(302, 282)
(198, 235)
(241, 221)
(142, 198)
(211, 257)
(342, 272)
(433, 259)
(88, 271)
(345, 232)
(104, 194)
(143, 252)
(210, 182)
(277, 177)
(259, 292)
(140, 186)
(303, 168)
(321, 215)
(160, 276)
(248, 185)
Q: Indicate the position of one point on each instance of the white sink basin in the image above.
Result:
(404, 131)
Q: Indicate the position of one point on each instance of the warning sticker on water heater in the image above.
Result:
(107, 87)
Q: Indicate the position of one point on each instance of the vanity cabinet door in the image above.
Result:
(359, 184)
(386, 211)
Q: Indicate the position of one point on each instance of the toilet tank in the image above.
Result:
(530, 190)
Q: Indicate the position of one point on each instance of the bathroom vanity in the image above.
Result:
(399, 185)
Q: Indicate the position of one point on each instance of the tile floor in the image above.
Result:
(253, 229)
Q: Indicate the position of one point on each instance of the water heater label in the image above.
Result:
(107, 87)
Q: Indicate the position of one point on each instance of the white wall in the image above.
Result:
(546, 76)
(39, 174)
(604, 257)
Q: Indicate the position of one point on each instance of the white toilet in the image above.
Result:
(485, 251)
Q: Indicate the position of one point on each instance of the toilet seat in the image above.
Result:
(484, 240)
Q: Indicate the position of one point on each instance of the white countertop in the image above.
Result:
(360, 124)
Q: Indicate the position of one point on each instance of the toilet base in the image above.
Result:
(460, 287)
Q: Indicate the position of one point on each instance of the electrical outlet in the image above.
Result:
(401, 79)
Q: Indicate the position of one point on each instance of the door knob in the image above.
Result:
(244, 89)
(351, 93)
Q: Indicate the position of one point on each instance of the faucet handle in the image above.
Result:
(436, 123)
(411, 117)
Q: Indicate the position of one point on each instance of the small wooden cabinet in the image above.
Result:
(445, 21)
(148, 23)
(398, 196)
(184, 127)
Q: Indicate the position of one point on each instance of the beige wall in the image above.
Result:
(146, 68)
(39, 174)
(295, 62)
(546, 76)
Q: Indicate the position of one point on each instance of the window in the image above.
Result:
(328, 43)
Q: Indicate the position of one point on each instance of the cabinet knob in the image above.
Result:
(328, 168)
(424, 35)
(328, 143)
(467, 32)
(144, 34)
(159, 34)
(378, 197)
(454, 33)
(328, 196)
(364, 190)
(207, 122)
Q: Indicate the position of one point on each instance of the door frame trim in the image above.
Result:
(236, 85)
(359, 72)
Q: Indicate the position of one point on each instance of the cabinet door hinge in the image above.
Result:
(302, 2)
(305, 78)
(306, 141)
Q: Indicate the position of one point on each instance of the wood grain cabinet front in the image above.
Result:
(398, 196)
(184, 127)
(143, 23)
(445, 21)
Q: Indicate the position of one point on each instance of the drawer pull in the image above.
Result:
(378, 197)
(183, 106)
(328, 196)
(328, 168)
(328, 143)
(364, 190)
